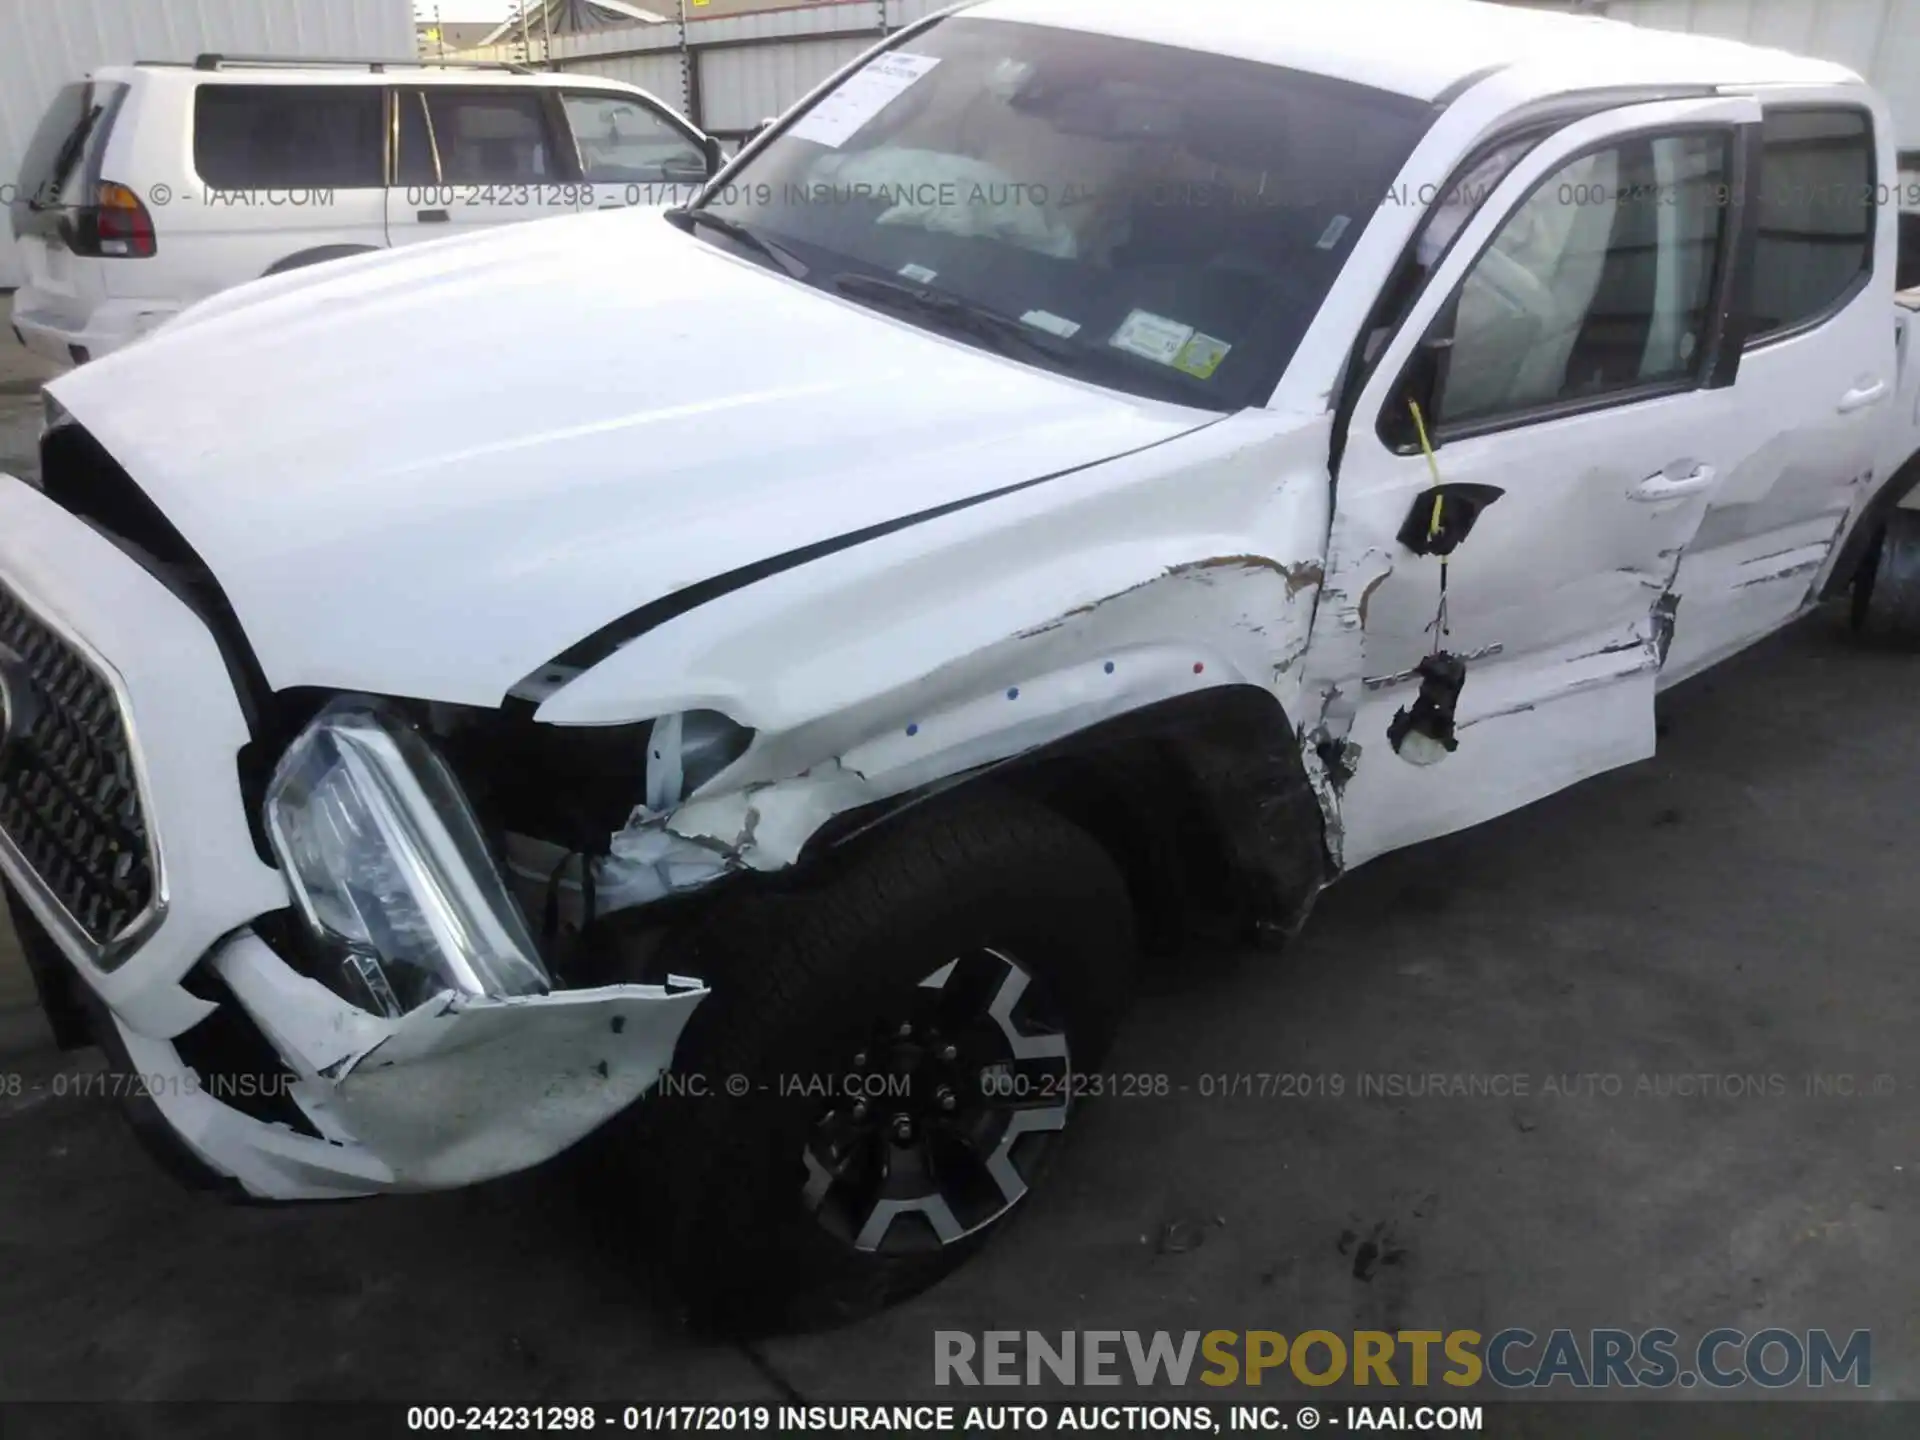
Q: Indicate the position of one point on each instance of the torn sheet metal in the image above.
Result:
(958, 645)
(644, 862)
(463, 1088)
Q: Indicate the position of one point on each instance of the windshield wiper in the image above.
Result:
(956, 313)
(687, 218)
(64, 159)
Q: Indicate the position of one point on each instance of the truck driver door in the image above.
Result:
(1568, 363)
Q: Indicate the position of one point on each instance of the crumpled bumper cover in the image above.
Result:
(460, 1090)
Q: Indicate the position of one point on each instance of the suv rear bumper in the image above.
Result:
(462, 1089)
(69, 331)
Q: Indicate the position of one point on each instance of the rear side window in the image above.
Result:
(491, 137)
(1818, 208)
(276, 137)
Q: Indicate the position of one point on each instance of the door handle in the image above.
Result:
(1860, 397)
(433, 217)
(1663, 486)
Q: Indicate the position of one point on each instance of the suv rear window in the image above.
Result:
(259, 137)
(62, 161)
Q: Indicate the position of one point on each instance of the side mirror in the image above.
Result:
(716, 158)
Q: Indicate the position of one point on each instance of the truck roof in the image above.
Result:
(1427, 48)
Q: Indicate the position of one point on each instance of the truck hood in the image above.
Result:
(429, 471)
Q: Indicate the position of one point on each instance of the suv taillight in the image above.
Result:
(116, 225)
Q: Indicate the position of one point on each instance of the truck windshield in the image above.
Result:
(1154, 219)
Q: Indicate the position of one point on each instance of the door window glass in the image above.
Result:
(490, 137)
(1817, 216)
(1601, 282)
(621, 139)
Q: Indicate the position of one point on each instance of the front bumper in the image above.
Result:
(462, 1089)
(70, 331)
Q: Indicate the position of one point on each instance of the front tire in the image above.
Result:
(886, 1062)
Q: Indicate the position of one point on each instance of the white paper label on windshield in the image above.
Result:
(1053, 324)
(1152, 337)
(919, 274)
(1336, 227)
(864, 95)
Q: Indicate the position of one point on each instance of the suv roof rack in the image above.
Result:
(216, 61)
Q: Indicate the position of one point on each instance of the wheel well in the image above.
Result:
(301, 259)
(1203, 802)
(1136, 802)
(1859, 545)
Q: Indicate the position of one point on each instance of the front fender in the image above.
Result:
(988, 633)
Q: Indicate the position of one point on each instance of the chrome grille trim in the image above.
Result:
(85, 718)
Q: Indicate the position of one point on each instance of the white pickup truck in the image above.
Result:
(1093, 468)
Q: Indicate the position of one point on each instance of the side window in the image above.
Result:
(1817, 216)
(260, 137)
(621, 139)
(1601, 283)
(491, 137)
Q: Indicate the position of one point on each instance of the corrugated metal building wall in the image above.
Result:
(739, 69)
(46, 43)
(1878, 38)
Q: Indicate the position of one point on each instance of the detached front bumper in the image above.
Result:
(461, 1089)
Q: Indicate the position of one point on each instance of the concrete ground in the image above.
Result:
(1742, 906)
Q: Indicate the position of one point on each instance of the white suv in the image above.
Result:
(148, 187)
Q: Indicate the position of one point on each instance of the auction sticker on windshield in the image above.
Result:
(1201, 356)
(840, 115)
(1152, 337)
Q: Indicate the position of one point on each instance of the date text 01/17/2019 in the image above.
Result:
(116, 1085)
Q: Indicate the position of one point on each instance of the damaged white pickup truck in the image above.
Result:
(1090, 469)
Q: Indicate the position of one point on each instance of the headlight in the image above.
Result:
(389, 869)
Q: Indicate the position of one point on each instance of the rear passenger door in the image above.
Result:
(1815, 379)
(287, 174)
(633, 153)
(471, 156)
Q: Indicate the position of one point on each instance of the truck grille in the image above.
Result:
(69, 799)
